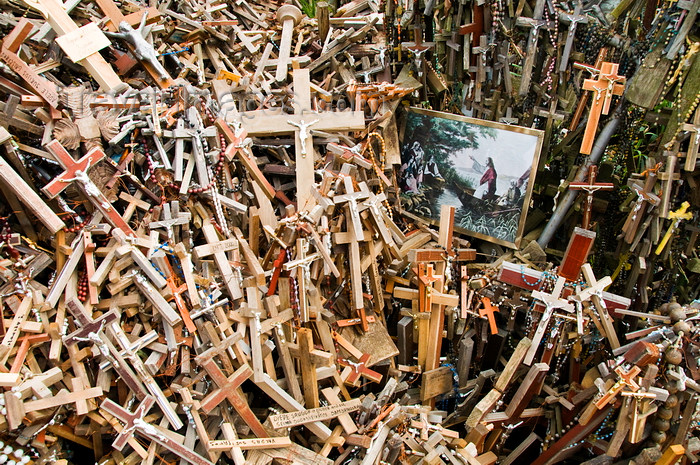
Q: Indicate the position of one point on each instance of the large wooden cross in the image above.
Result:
(64, 26)
(590, 187)
(270, 123)
(609, 83)
(535, 24)
(691, 156)
(573, 19)
(77, 171)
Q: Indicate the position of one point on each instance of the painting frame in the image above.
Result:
(432, 174)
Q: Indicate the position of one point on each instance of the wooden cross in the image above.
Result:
(354, 370)
(78, 172)
(8, 53)
(691, 156)
(177, 292)
(481, 68)
(67, 30)
(309, 358)
(609, 83)
(134, 423)
(595, 293)
(128, 246)
(504, 60)
(303, 266)
(626, 380)
(573, 19)
(171, 217)
(219, 249)
(667, 181)
(267, 123)
(645, 196)
(550, 301)
(590, 187)
(418, 48)
(488, 312)
(454, 47)
(228, 388)
(676, 217)
(534, 23)
(551, 115)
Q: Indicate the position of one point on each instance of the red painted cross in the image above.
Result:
(360, 369)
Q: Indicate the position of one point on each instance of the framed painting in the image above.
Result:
(482, 168)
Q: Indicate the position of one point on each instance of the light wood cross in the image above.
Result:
(535, 24)
(609, 83)
(271, 123)
(303, 266)
(594, 293)
(590, 187)
(77, 171)
(573, 19)
(71, 34)
(218, 249)
(134, 423)
(551, 302)
(645, 197)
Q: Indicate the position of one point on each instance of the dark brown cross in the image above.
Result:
(645, 196)
(572, 19)
(535, 24)
(590, 187)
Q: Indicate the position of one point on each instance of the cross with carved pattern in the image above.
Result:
(359, 369)
(228, 388)
(590, 187)
(135, 423)
(573, 19)
(488, 311)
(77, 171)
(609, 83)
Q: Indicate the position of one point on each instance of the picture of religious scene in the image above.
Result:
(482, 168)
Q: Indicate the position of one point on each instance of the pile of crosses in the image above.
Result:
(204, 256)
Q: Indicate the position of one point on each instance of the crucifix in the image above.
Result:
(645, 196)
(70, 34)
(481, 68)
(594, 292)
(488, 311)
(534, 23)
(135, 423)
(229, 388)
(454, 47)
(303, 265)
(667, 178)
(418, 48)
(77, 171)
(171, 217)
(609, 83)
(573, 19)
(550, 301)
(691, 156)
(551, 114)
(590, 187)
(676, 217)
(354, 370)
(267, 123)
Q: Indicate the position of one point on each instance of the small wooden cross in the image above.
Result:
(134, 423)
(177, 292)
(590, 187)
(626, 380)
(303, 266)
(354, 370)
(676, 217)
(418, 48)
(550, 301)
(481, 64)
(645, 196)
(454, 47)
(572, 19)
(595, 293)
(171, 218)
(309, 358)
(609, 83)
(535, 24)
(668, 178)
(504, 60)
(78, 172)
(488, 311)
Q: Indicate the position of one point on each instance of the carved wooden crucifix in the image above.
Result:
(551, 302)
(609, 83)
(77, 171)
(573, 19)
(590, 187)
(535, 24)
(645, 196)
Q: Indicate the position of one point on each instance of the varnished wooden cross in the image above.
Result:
(645, 197)
(626, 380)
(77, 171)
(171, 217)
(609, 83)
(590, 187)
(488, 311)
(693, 129)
